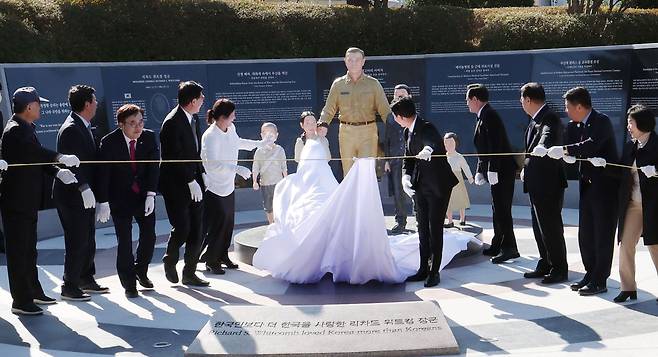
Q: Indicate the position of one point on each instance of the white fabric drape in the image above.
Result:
(323, 227)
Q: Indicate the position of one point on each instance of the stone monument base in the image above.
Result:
(385, 329)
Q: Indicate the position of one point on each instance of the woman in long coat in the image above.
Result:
(638, 197)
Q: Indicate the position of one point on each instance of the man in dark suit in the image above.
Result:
(20, 199)
(500, 171)
(75, 203)
(394, 145)
(128, 190)
(182, 184)
(430, 181)
(590, 136)
(544, 180)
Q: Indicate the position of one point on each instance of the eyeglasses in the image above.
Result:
(138, 124)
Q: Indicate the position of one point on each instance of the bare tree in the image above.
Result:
(377, 4)
(590, 7)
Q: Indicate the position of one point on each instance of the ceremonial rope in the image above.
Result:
(97, 162)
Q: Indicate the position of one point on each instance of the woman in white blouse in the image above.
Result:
(219, 151)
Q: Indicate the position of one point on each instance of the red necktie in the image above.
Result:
(133, 166)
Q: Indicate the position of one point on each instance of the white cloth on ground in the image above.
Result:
(322, 227)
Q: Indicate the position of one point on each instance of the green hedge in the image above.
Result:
(519, 28)
(128, 30)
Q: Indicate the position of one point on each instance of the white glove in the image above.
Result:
(195, 191)
(648, 171)
(88, 198)
(103, 214)
(569, 159)
(597, 161)
(539, 151)
(521, 175)
(243, 171)
(3, 165)
(556, 152)
(407, 186)
(66, 176)
(492, 177)
(479, 179)
(149, 205)
(425, 154)
(69, 160)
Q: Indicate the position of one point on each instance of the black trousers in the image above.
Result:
(546, 212)
(502, 194)
(2, 242)
(185, 218)
(596, 230)
(21, 251)
(79, 241)
(127, 265)
(429, 208)
(219, 220)
(400, 198)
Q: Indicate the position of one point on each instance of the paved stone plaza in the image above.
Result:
(491, 309)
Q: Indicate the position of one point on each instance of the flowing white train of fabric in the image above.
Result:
(323, 227)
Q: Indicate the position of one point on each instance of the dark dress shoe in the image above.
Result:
(215, 269)
(44, 300)
(554, 279)
(503, 257)
(170, 273)
(625, 295)
(535, 274)
(491, 251)
(448, 225)
(74, 294)
(29, 308)
(228, 263)
(432, 280)
(144, 281)
(419, 276)
(398, 228)
(94, 288)
(592, 289)
(132, 293)
(462, 223)
(194, 280)
(579, 285)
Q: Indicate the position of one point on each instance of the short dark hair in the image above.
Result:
(19, 107)
(188, 91)
(478, 91)
(223, 107)
(403, 86)
(578, 95)
(128, 110)
(453, 136)
(533, 91)
(79, 95)
(404, 107)
(644, 118)
(304, 115)
(323, 124)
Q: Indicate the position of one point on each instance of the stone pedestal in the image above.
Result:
(387, 329)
